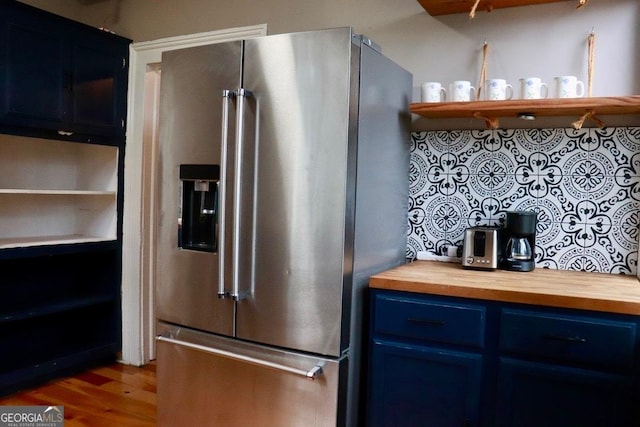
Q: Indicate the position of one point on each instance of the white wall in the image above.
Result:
(544, 41)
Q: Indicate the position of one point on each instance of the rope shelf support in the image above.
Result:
(591, 114)
(490, 122)
(483, 70)
(591, 41)
(472, 13)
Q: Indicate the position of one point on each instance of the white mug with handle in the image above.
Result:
(433, 92)
(461, 91)
(533, 88)
(568, 87)
(497, 90)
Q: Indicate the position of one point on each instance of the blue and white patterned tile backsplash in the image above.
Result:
(584, 184)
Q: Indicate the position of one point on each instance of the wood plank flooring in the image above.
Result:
(114, 395)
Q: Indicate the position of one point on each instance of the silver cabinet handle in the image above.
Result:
(236, 294)
(311, 374)
(227, 97)
(427, 322)
(565, 338)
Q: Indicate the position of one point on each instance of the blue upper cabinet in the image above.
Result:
(33, 53)
(60, 79)
(98, 76)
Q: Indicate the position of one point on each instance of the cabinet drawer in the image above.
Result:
(570, 338)
(443, 322)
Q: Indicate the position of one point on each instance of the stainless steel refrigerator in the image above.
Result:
(284, 165)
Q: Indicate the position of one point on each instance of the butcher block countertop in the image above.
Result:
(555, 288)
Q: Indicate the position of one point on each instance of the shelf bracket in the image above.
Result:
(490, 122)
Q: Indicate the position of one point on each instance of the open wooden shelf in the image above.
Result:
(577, 107)
(56, 192)
(53, 307)
(25, 242)
(447, 7)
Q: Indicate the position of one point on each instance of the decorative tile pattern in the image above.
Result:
(584, 184)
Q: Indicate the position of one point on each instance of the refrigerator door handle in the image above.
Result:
(227, 97)
(236, 293)
(311, 374)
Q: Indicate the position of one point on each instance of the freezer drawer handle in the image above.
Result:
(312, 374)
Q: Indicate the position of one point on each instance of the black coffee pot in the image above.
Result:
(519, 241)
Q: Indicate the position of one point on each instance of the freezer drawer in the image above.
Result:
(206, 380)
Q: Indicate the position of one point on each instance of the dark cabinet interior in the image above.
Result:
(59, 313)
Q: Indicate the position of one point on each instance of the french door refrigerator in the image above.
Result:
(284, 165)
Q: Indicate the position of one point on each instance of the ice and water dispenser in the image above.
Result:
(198, 218)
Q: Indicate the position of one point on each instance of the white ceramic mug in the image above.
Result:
(461, 90)
(433, 92)
(497, 90)
(568, 87)
(533, 88)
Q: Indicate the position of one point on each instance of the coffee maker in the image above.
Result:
(519, 241)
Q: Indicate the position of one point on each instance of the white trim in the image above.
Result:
(137, 301)
(200, 39)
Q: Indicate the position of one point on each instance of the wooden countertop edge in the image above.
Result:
(576, 298)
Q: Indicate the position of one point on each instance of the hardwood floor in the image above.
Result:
(114, 395)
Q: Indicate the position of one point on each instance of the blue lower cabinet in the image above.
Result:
(447, 361)
(534, 394)
(422, 386)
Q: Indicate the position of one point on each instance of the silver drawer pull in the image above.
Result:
(311, 374)
(576, 339)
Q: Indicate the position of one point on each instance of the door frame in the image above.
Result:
(138, 318)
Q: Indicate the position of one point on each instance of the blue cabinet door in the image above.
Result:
(535, 394)
(98, 83)
(423, 386)
(60, 79)
(33, 82)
